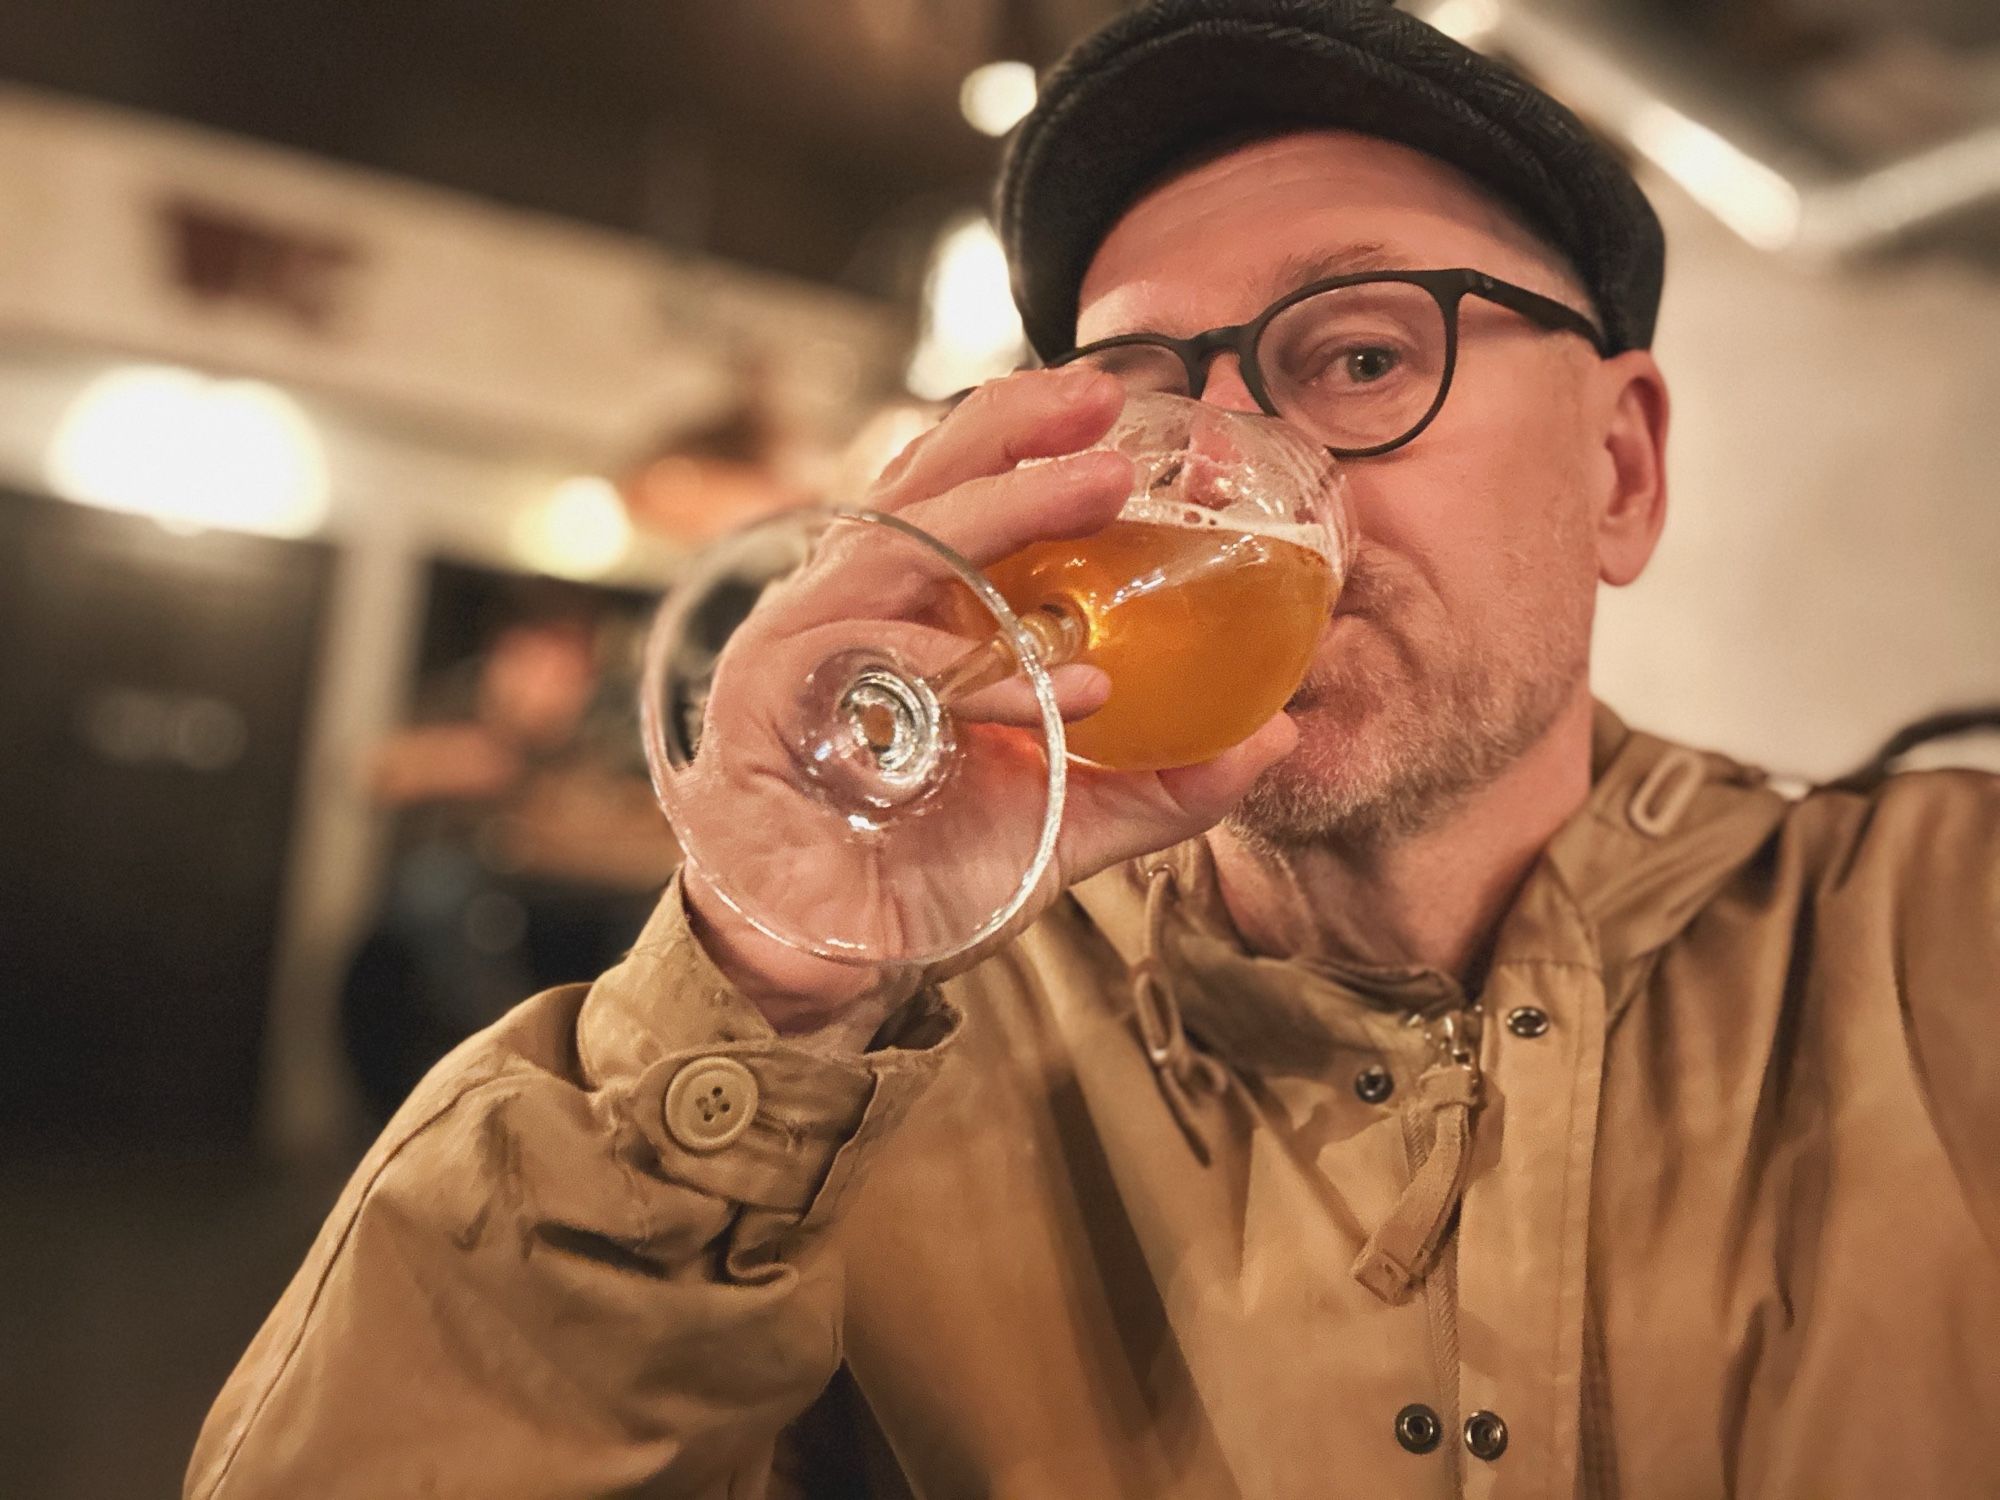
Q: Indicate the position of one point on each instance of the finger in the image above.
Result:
(870, 569)
(985, 520)
(1079, 691)
(1206, 792)
(1036, 414)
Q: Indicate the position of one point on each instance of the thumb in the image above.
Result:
(1115, 816)
(1207, 791)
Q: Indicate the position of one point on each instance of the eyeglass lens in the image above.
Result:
(1356, 367)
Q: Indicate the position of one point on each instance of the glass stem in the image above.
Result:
(1056, 634)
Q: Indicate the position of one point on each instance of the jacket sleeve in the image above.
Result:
(549, 1278)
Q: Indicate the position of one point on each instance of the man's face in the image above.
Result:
(1465, 624)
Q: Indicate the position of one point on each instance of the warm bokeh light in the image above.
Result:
(192, 452)
(996, 96)
(579, 531)
(1468, 21)
(971, 330)
(884, 435)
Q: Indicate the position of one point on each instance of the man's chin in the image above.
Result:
(1388, 751)
(1341, 781)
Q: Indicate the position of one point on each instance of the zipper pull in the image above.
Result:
(1454, 1038)
(1399, 1253)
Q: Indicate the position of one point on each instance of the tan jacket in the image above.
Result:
(1708, 1207)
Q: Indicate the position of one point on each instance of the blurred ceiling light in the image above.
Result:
(969, 329)
(1751, 198)
(995, 96)
(1924, 188)
(191, 452)
(579, 530)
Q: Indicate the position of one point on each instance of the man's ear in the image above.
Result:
(1632, 506)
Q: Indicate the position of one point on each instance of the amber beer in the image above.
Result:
(1205, 630)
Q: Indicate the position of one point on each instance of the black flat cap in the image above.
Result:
(1170, 76)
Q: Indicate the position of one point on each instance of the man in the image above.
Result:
(1475, 1097)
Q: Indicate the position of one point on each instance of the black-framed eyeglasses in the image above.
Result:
(1362, 363)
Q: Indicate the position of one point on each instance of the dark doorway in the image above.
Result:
(153, 694)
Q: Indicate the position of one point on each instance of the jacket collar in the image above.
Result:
(1662, 829)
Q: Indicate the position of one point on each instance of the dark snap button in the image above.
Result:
(1374, 1084)
(1418, 1428)
(1528, 1021)
(1485, 1435)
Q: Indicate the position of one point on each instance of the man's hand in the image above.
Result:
(964, 484)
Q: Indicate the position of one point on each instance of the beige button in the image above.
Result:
(710, 1103)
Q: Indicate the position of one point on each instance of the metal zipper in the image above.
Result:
(1454, 1039)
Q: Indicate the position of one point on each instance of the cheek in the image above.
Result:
(1484, 517)
(1442, 517)
(1490, 497)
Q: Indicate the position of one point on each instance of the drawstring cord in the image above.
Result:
(1181, 1070)
(1399, 1253)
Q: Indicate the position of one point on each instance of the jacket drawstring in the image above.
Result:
(1180, 1069)
(1400, 1251)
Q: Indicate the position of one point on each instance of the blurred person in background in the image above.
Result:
(526, 849)
(1531, 1106)
(527, 846)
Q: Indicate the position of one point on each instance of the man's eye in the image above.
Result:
(1344, 365)
(1366, 366)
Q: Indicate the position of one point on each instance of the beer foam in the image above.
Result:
(1200, 517)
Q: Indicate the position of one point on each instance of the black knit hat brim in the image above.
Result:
(1168, 78)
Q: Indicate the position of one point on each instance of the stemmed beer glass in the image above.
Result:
(857, 734)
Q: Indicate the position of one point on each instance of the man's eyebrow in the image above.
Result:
(1296, 270)
(1301, 267)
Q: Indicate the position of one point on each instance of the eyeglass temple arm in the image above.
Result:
(1543, 310)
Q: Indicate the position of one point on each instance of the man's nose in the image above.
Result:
(1216, 438)
(1225, 387)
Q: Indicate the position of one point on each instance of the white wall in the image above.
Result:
(1831, 565)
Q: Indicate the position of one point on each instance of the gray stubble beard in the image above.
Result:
(1400, 752)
